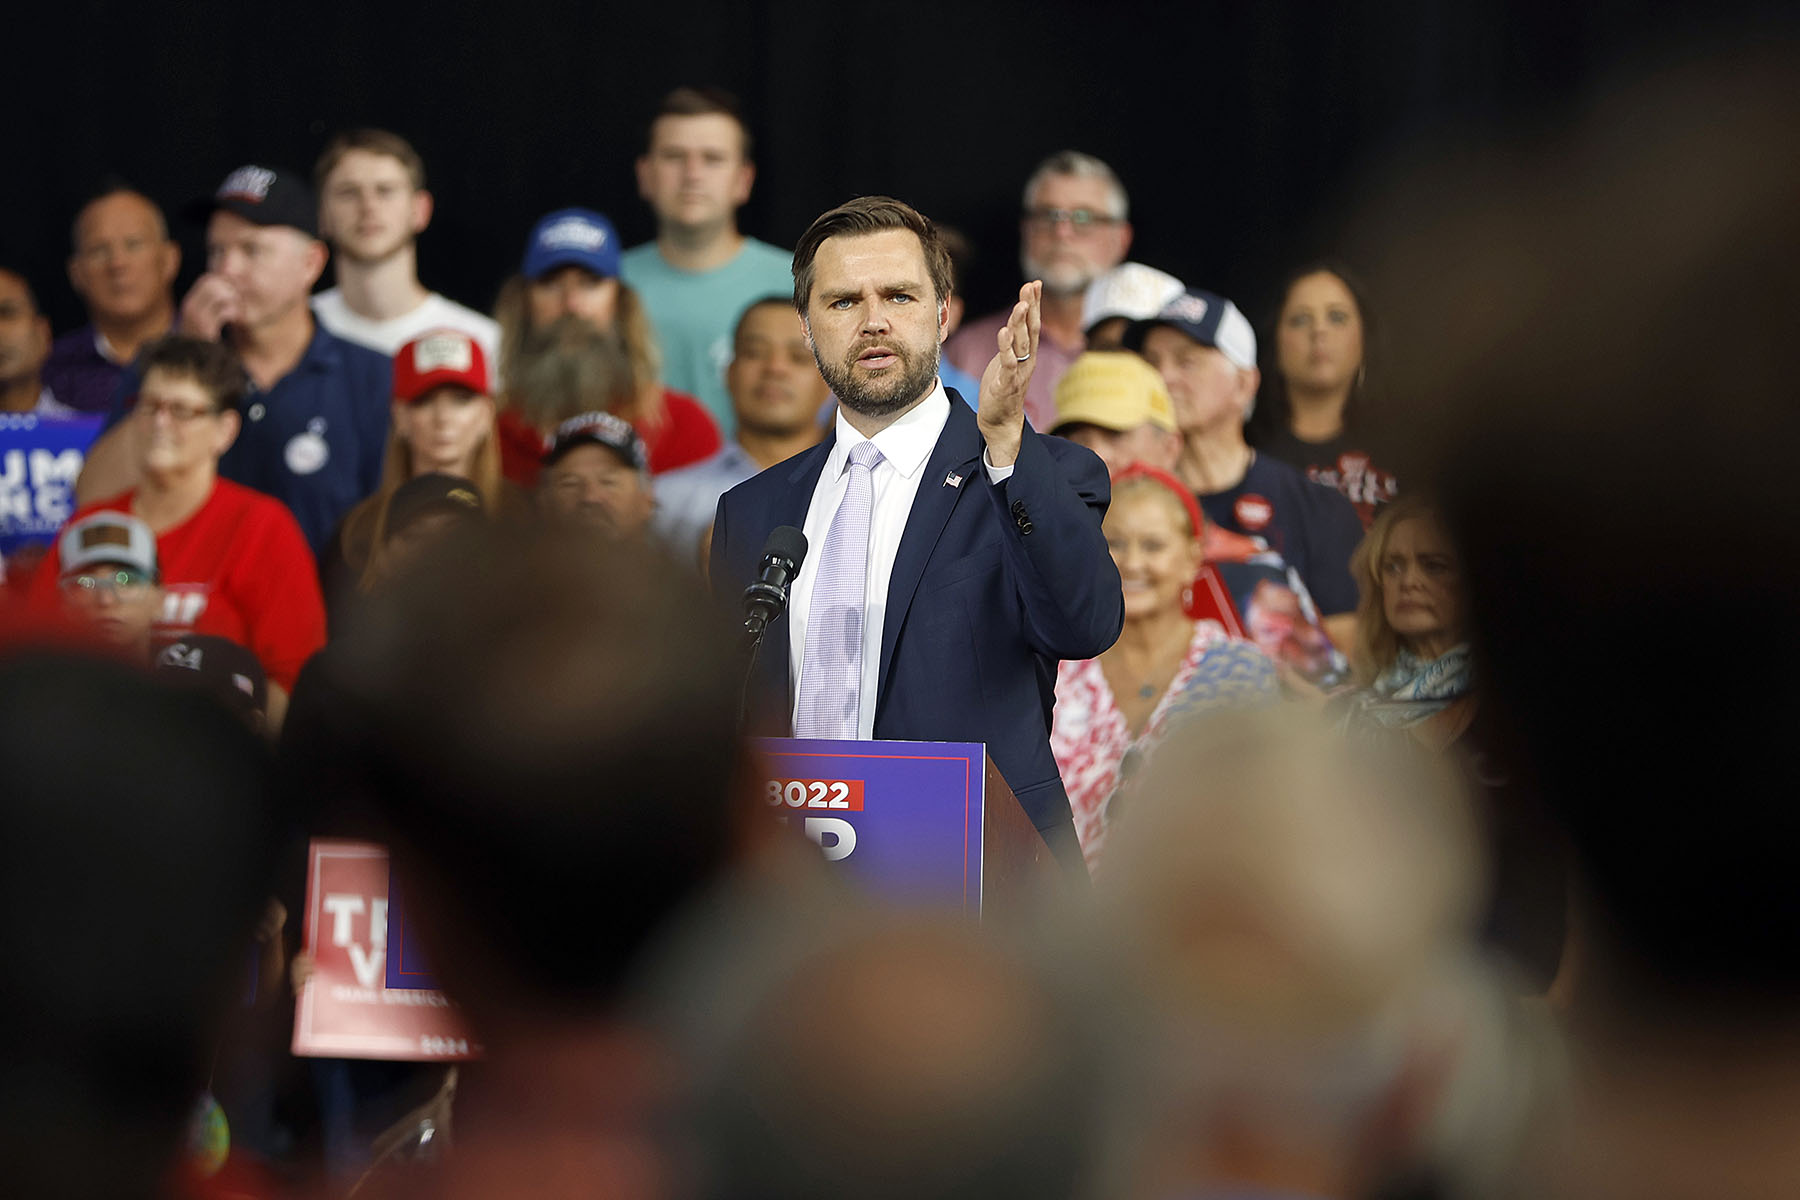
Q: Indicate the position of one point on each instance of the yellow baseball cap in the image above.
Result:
(1114, 390)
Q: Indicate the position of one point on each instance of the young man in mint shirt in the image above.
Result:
(700, 273)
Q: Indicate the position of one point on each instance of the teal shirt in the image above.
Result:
(695, 313)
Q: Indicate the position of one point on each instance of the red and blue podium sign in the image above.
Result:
(902, 819)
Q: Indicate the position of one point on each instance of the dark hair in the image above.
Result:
(1273, 410)
(24, 282)
(149, 817)
(553, 764)
(213, 365)
(700, 102)
(865, 215)
(737, 330)
(962, 254)
(374, 141)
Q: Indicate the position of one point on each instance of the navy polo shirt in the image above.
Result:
(315, 440)
(1310, 525)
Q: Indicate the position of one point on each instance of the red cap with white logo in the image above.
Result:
(443, 357)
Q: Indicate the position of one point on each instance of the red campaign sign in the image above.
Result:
(344, 1010)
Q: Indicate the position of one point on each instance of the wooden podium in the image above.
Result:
(924, 822)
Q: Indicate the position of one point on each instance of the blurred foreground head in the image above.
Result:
(552, 727)
(136, 844)
(902, 1057)
(1297, 911)
(1609, 318)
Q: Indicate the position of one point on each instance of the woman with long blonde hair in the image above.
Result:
(443, 421)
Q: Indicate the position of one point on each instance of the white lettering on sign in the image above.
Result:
(366, 957)
(841, 833)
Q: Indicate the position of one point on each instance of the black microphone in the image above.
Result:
(767, 598)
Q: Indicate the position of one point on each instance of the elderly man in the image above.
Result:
(776, 395)
(123, 267)
(1206, 352)
(316, 416)
(955, 555)
(1073, 227)
(596, 473)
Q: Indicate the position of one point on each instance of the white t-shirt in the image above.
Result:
(435, 312)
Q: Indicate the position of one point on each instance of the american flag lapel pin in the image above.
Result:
(953, 480)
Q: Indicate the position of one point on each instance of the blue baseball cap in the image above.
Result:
(1205, 317)
(577, 237)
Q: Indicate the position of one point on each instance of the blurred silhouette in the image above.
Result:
(1612, 332)
(136, 844)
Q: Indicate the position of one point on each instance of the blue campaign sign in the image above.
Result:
(40, 458)
(904, 819)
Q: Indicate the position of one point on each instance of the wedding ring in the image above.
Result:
(1021, 357)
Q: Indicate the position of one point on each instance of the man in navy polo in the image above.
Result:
(316, 414)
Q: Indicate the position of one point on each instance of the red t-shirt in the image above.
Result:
(686, 434)
(238, 568)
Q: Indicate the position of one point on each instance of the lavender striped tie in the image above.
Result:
(831, 668)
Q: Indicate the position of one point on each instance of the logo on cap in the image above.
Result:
(247, 183)
(1189, 308)
(442, 352)
(179, 654)
(573, 233)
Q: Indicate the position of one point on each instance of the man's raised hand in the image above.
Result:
(1001, 414)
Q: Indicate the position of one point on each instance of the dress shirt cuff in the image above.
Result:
(996, 475)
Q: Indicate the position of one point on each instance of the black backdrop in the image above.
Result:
(1244, 131)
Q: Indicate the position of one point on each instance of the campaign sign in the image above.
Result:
(344, 1011)
(903, 819)
(40, 458)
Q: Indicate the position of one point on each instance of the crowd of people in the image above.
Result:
(1326, 911)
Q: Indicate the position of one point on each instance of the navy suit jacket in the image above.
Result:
(992, 585)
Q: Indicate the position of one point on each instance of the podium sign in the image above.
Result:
(909, 821)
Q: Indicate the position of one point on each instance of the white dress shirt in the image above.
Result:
(896, 479)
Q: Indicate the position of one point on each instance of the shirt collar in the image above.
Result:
(905, 444)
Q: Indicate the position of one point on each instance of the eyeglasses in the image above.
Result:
(148, 407)
(108, 583)
(1081, 220)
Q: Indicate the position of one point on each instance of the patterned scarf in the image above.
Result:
(1414, 689)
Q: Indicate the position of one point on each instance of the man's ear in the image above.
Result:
(317, 254)
(643, 177)
(423, 205)
(943, 319)
(806, 326)
(168, 261)
(746, 178)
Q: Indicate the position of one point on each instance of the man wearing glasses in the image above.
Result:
(233, 562)
(1073, 228)
(109, 581)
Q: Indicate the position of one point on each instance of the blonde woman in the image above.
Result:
(1411, 657)
(443, 422)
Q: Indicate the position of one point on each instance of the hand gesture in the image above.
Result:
(1001, 414)
(210, 305)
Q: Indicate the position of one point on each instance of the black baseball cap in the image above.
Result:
(262, 196)
(432, 492)
(217, 666)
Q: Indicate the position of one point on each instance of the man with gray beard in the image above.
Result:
(956, 555)
(569, 280)
(1073, 228)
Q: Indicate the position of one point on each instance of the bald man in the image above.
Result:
(123, 266)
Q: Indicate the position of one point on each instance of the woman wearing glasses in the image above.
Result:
(233, 561)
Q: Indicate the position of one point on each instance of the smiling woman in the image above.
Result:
(1110, 710)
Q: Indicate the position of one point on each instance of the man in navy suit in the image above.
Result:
(969, 542)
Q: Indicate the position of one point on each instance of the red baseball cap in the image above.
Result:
(438, 358)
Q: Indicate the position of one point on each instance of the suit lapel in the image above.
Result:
(958, 450)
